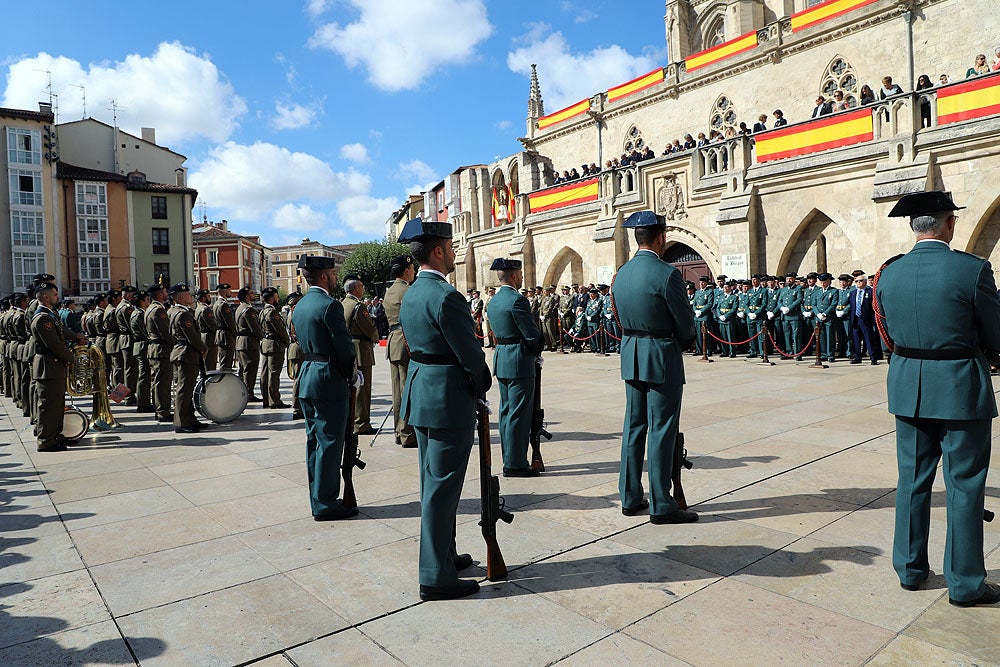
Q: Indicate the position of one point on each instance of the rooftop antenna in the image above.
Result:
(114, 109)
(48, 85)
(83, 92)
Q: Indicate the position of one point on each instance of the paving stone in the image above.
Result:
(971, 631)
(122, 506)
(236, 485)
(94, 645)
(350, 647)
(216, 466)
(49, 605)
(904, 651)
(620, 649)
(109, 484)
(25, 557)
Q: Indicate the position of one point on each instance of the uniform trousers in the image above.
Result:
(404, 431)
(117, 370)
(791, 330)
(444, 458)
(550, 329)
(143, 381)
(131, 373)
(51, 400)
(754, 327)
(828, 338)
(965, 446)
(296, 401)
(249, 365)
(270, 378)
(517, 398)
(326, 428)
(363, 404)
(161, 375)
(845, 347)
(24, 387)
(226, 357)
(727, 331)
(701, 337)
(187, 377)
(612, 334)
(652, 419)
(212, 355)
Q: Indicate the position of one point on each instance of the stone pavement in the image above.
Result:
(142, 546)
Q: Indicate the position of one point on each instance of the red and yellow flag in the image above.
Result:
(565, 114)
(824, 12)
(971, 99)
(842, 129)
(579, 192)
(635, 85)
(722, 51)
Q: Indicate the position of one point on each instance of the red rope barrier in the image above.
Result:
(791, 356)
(582, 339)
(744, 342)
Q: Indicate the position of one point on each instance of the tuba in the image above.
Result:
(87, 376)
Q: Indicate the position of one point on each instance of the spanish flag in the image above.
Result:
(569, 112)
(824, 12)
(971, 99)
(635, 85)
(580, 192)
(722, 51)
(836, 131)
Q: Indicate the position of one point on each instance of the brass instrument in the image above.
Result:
(290, 368)
(87, 376)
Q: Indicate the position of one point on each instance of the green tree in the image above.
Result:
(371, 260)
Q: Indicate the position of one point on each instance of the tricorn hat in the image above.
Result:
(419, 229)
(504, 264)
(644, 219)
(315, 263)
(924, 203)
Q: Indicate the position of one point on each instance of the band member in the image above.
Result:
(161, 343)
(20, 332)
(186, 355)
(225, 337)
(123, 318)
(324, 387)
(208, 327)
(366, 337)
(402, 272)
(273, 347)
(295, 355)
(49, 369)
(140, 352)
(248, 337)
(115, 361)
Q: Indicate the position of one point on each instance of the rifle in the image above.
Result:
(352, 455)
(538, 424)
(492, 505)
(680, 461)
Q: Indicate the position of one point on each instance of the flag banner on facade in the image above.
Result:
(968, 100)
(824, 12)
(635, 85)
(721, 52)
(569, 112)
(842, 129)
(579, 192)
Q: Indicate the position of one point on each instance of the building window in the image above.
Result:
(724, 115)
(92, 236)
(161, 241)
(25, 188)
(633, 140)
(95, 275)
(159, 207)
(91, 199)
(27, 228)
(161, 273)
(716, 33)
(213, 257)
(213, 280)
(277, 273)
(26, 265)
(840, 76)
(24, 146)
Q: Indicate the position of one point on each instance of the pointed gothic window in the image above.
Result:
(716, 33)
(840, 76)
(724, 115)
(633, 140)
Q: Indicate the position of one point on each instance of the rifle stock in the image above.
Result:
(492, 505)
(680, 462)
(352, 458)
(538, 425)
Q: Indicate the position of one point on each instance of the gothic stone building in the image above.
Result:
(812, 195)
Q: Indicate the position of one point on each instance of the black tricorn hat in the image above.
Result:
(179, 287)
(844, 276)
(316, 262)
(223, 286)
(826, 276)
(419, 229)
(644, 219)
(924, 203)
(504, 264)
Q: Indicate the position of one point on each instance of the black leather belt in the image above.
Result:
(269, 338)
(395, 327)
(509, 341)
(951, 354)
(649, 334)
(434, 359)
(322, 358)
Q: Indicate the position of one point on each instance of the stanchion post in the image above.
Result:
(600, 340)
(819, 361)
(704, 344)
(764, 361)
(562, 337)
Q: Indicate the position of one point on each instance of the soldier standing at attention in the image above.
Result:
(295, 355)
(790, 306)
(843, 312)
(548, 313)
(824, 307)
(476, 308)
(515, 361)
(487, 331)
(366, 337)
(225, 337)
(704, 304)
(161, 343)
(324, 384)
(123, 318)
(208, 327)
(402, 272)
(188, 351)
(611, 332)
(725, 312)
(273, 347)
(447, 368)
(808, 294)
(566, 313)
(248, 337)
(140, 351)
(594, 314)
(756, 314)
(49, 368)
(940, 391)
(657, 325)
(115, 363)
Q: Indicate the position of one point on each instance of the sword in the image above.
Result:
(380, 427)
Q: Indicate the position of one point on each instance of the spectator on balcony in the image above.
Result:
(995, 65)
(867, 95)
(566, 177)
(715, 137)
(978, 67)
(730, 133)
(594, 169)
(648, 153)
(889, 88)
(924, 83)
(689, 142)
(744, 130)
(779, 118)
(614, 163)
(574, 175)
(676, 147)
(822, 108)
(943, 80)
(702, 140)
(839, 103)
(608, 166)
(761, 124)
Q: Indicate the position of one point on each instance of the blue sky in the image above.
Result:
(316, 117)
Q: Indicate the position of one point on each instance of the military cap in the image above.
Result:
(154, 288)
(524, 291)
(538, 288)
(825, 276)
(689, 284)
(292, 298)
(812, 274)
(223, 286)
(711, 285)
(468, 291)
(419, 229)
(602, 286)
(551, 287)
(720, 278)
(45, 285)
(844, 276)
(401, 262)
(113, 293)
(141, 294)
(179, 287)
(268, 291)
(42, 277)
(243, 292)
(644, 219)
(352, 276)
(791, 275)
(504, 264)
(565, 287)
(593, 290)
(731, 282)
(858, 272)
(316, 262)
(758, 276)
(575, 285)
(703, 279)
(202, 292)
(128, 288)
(16, 296)
(924, 203)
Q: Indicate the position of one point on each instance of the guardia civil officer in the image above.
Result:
(161, 343)
(365, 335)
(842, 312)
(225, 337)
(515, 362)
(189, 349)
(824, 310)
(402, 271)
(248, 337)
(324, 384)
(140, 351)
(208, 327)
(940, 391)
(703, 305)
(447, 368)
(657, 325)
(273, 347)
(790, 317)
(49, 368)
(20, 331)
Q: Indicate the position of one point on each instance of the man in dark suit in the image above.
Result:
(822, 108)
(863, 322)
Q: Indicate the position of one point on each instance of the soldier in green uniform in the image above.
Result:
(161, 343)
(273, 347)
(657, 325)
(140, 351)
(324, 386)
(123, 318)
(790, 315)
(611, 333)
(940, 391)
(188, 351)
(725, 314)
(756, 314)
(225, 318)
(594, 314)
(115, 362)
(566, 314)
(208, 327)
(365, 335)
(21, 361)
(843, 315)
(704, 305)
(5, 362)
(824, 310)
(808, 319)
(548, 316)
(248, 337)
(295, 354)
(447, 367)
(519, 346)
(49, 368)
(402, 272)
(476, 307)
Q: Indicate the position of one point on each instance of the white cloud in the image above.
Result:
(568, 77)
(401, 42)
(581, 15)
(250, 181)
(179, 92)
(292, 116)
(355, 153)
(299, 217)
(367, 214)
(316, 7)
(417, 169)
(503, 125)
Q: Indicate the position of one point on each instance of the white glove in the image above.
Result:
(841, 314)
(723, 317)
(752, 316)
(741, 315)
(697, 313)
(485, 403)
(808, 313)
(821, 317)
(784, 310)
(359, 379)
(541, 362)
(770, 315)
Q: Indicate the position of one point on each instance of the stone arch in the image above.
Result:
(711, 27)
(986, 239)
(686, 237)
(565, 259)
(501, 203)
(840, 75)
(818, 244)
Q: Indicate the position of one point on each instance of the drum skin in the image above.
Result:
(220, 396)
(75, 425)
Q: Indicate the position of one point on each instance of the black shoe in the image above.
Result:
(55, 447)
(677, 516)
(199, 426)
(462, 588)
(462, 562)
(336, 515)
(255, 399)
(409, 445)
(798, 358)
(632, 511)
(298, 415)
(875, 362)
(185, 429)
(130, 402)
(144, 409)
(912, 587)
(366, 431)
(279, 406)
(855, 361)
(990, 596)
(520, 472)
(398, 441)
(167, 418)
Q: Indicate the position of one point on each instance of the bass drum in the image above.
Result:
(220, 396)
(75, 425)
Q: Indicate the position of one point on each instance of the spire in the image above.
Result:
(536, 107)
